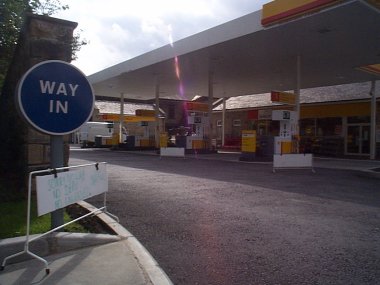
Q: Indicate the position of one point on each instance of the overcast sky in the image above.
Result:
(117, 30)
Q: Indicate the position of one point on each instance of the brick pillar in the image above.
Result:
(41, 38)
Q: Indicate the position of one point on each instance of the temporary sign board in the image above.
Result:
(59, 190)
(55, 97)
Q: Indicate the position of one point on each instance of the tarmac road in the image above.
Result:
(218, 222)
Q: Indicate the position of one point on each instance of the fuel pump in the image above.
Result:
(197, 122)
(283, 143)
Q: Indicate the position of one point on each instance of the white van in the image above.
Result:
(93, 133)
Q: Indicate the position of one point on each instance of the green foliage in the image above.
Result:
(76, 45)
(47, 7)
(12, 14)
(13, 220)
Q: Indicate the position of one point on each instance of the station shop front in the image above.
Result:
(328, 128)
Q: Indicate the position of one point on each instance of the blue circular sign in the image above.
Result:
(55, 97)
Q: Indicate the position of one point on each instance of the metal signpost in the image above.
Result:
(56, 99)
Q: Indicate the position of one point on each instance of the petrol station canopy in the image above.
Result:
(257, 53)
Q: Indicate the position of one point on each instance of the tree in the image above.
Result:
(47, 7)
(12, 14)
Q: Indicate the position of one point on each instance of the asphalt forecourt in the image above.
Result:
(209, 221)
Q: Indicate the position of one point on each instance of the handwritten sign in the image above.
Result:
(66, 188)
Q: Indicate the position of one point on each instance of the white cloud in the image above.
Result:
(120, 29)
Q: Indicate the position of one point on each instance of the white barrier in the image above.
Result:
(172, 151)
(295, 161)
(61, 188)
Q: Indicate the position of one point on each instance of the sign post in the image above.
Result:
(55, 98)
(56, 161)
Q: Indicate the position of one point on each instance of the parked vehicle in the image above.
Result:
(96, 134)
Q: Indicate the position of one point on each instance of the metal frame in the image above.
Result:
(28, 239)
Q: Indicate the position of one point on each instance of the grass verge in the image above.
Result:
(13, 220)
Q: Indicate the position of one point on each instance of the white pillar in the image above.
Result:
(157, 113)
(121, 118)
(224, 121)
(297, 92)
(373, 120)
(210, 101)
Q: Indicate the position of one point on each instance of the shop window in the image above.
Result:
(307, 127)
(236, 123)
(329, 127)
(171, 112)
(263, 128)
(358, 120)
(274, 129)
(236, 128)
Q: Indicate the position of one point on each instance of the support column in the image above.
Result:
(121, 118)
(56, 161)
(210, 103)
(373, 120)
(224, 121)
(297, 91)
(157, 113)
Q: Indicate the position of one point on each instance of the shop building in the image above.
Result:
(334, 120)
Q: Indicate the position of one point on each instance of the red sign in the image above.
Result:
(253, 114)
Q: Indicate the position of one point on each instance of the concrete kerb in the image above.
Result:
(153, 270)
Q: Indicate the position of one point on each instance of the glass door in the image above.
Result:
(365, 141)
(358, 140)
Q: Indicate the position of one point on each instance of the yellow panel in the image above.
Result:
(283, 97)
(196, 106)
(279, 6)
(197, 144)
(336, 110)
(374, 68)
(115, 139)
(144, 142)
(375, 3)
(127, 118)
(248, 141)
(145, 113)
(286, 147)
(163, 139)
(280, 10)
